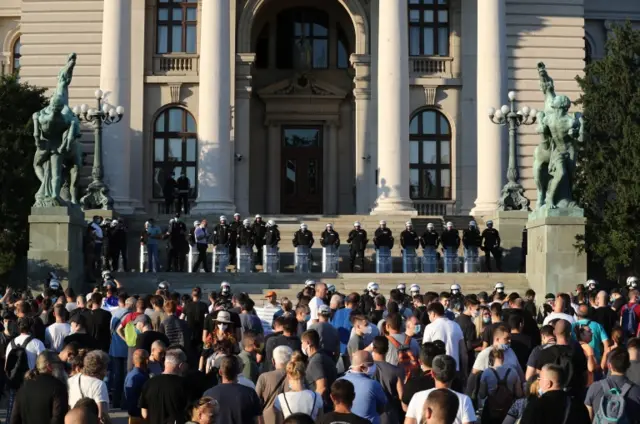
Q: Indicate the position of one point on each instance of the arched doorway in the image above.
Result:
(302, 111)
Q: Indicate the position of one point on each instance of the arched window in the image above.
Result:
(588, 51)
(175, 149)
(343, 50)
(176, 30)
(15, 56)
(430, 156)
(262, 48)
(303, 39)
(428, 28)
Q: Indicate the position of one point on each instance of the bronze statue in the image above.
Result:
(58, 159)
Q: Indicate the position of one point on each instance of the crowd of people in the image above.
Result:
(324, 357)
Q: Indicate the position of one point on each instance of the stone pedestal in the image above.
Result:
(553, 262)
(510, 225)
(55, 238)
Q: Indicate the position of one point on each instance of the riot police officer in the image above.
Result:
(233, 228)
(225, 297)
(456, 294)
(303, 237)
(430, 238)
(177, 244)
(245, 235)
(358, 243)
(450, 237)
(272, 236)
(383, 237)
(409, 239)
(259, 229)
(118, 245)
(367, 300)
(184, 186)
(491, 246)
(222, 233)
(329, 237)
(471, 236)
(402, 288)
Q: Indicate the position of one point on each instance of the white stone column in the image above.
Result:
(115, 82)
(215, 191)
(491, 80)
(242, 130)
(393, 110)
(363, 123)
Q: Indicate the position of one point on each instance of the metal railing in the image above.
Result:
(431, 66)
(176, 64)
(434, 207)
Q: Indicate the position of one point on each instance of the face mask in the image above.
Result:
(505, 346)
(486, 320)
(307, 318)
(371, 371)
(367, 330)
(305, 351)
(476, 313)
(418, 328)
(222, 327)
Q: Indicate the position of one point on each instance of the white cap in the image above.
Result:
(472, 224)
(356, 224)
(455, 287)
(258, 216)
(303, 226)
(329, 225)
(414, 288)
(223, 218)
(408, 224)
(196, 223)
(236, 214)
(401, 286)
(309, 283)
(246, 222)
(372, 286)
(430, 225)
(631, 279)
(54, 284)
(499, 286)
(383, 222)
(271, 223)
(449, 224)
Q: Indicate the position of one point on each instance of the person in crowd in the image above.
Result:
(500, 385)
(321, 369)
(146, 335)
(43, 396)
(23, 309)
(617, 340)
(521, 344)
(287, 338)
(133, 384)
(554, 405)
(90, 383)
(370, 399)
(99, 323)
(248, 319)
(342, 395)
(238, 404)
(248, 356)
(156, 358)
(316, 302)
(267, 312)
(548, 339)
(496, 320)
(55, 333)
(517, 408)
(70, 297)
(175, 329)
(272, 383)
(441, 328)
(529, 324)
(585, 336)
(599, 342)
(194, 314)
(164, 397)
(118, 351)
(391, 378)
(603, 314)
(466, 322)
(633, 372)
(361, 328)
(399, 342)
(619, 363)
(560, 307)
(204, 411)
(157, 313)
(329, 337)
(444, 373)
(441, 407)
(423, 379)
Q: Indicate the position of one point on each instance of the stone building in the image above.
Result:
(310, 106)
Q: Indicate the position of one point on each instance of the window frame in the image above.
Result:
(307, 16)
(184, 134)
(439, 137)
(170, 23)
(16, 47)
(435, 6)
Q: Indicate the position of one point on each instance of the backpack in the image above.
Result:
(564, 360)
(130, 334)
(406, 359)
(17, 363)
(498, 403)
(630, 321)
(612, 405)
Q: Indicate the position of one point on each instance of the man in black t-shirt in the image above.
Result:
(496, 321)
(603, 314)
(238, 404)
(194, 313)
(79, 334)
(465, 321)
(287, 338)
(99, 323)
(321, 368)
(164, 398)
(423, 380)
(342, 394)
(148, 335)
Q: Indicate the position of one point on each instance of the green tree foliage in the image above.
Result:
(608, 168)
(18, 182)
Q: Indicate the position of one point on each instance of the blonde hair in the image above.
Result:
(296, 368)
(205, 402)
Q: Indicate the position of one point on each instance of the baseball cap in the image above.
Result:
(324, 310)
(270, 293)
(142, 319)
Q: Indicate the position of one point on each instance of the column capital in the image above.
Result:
(245, 58)
(360, 60)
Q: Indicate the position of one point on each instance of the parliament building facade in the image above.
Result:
(310, 106)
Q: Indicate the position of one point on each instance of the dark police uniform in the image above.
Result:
(358, 243)
(184, 186)
(245, 237)
(233, 228)
(491, 245)
(272, 236)
(118, 246)
(330, 238)
(383, 237)
(450, 238)
(471, 237)
(259, 231)
(430, 239)
(303, 238)
(409, 239)
(177, 246)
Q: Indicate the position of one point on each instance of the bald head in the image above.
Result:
(361, 359)
(562, 331)
(140, 357)
(583, 311)
(602, 298)
(81, 416)
(558, 305)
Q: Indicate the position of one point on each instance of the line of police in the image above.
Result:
(243, 233)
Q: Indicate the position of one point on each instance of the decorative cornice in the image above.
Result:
(430, 93)
(174, 89)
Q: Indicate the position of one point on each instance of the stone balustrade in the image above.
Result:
(431, 66)
(175, 64)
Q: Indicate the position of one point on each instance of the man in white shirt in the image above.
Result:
(444, 372)
(266, 312)
(449, 332)
(33, 348)
(316, 302)
(501, 340)
(558, 311)
(55, 333)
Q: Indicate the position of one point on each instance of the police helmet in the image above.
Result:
(196, 223)
(225, 288)
(455, 288)
(106, 274)
(270, 223)
(163, 285)
(223, 218)
(383, 222)
(499, 287)
(472, 224)
(401, 287)
(303, 226)
(430, 226)
(246, 222)
(258, 216)
(54, 285)
(631, 280)
(356, 224)
(331, 288)
(236, 214)
(449, 224)
(592, 284)
(310, 283)
(373, 287)
(414, 289)
(114, 223)
(329, 225)
(489, 223)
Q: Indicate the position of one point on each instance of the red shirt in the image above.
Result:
(128, 318)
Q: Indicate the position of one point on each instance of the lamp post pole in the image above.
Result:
(512, 196)
(97, 196)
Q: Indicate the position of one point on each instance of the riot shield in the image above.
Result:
(330, 259)
(410, 260)
(244, 257)
(191, 258)
(220, 259)
(429, 260)
(270, 259)
(383, 260)
(450, 260)
(301, 262)
(471, 260)
(143, 257)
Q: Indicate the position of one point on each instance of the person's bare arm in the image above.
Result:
(103, 412)
(205, 333)
(464, 358)
(408, 420)
(531, 371)
(321, 386)
(120, 332)
(590, 409)
(144, 413)
(400, 389)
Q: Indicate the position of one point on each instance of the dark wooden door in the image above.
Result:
(301, 173)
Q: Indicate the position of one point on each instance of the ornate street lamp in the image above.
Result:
(97, 196)
(512, 196)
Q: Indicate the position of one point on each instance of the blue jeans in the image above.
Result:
(116, 379)
(152, 257)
